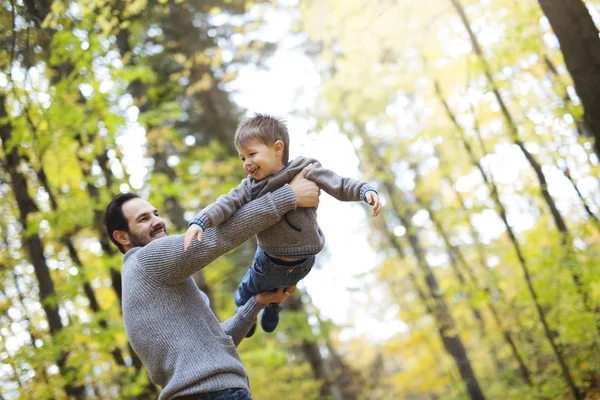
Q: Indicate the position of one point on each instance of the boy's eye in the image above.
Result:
(252, 154)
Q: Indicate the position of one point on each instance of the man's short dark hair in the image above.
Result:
(114, 219)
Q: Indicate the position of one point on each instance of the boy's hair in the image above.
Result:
(114, 219)
(265, 128)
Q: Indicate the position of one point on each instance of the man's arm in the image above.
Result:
(238, 326)
(165, 261)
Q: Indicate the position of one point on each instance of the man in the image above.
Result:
(167, 318)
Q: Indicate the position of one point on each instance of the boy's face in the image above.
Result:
(261, 160)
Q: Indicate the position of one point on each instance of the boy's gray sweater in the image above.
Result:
(297, 235)
(167, 318)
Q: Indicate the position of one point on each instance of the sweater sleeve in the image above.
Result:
(238, 326)
(224, 207)
(166, 263)
(343, 189)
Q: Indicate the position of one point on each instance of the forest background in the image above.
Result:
(477, 121)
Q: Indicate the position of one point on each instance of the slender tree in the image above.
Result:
(309, 348)
(512, 127)
(457, 257)
(33, 243)
(550, 335)
(394, 243)
(445, 322)
(580, 46)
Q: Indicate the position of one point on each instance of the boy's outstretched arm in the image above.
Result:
(342, 188)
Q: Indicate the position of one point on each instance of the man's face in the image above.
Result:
(145, 224)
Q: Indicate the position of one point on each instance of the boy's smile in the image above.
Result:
(261, 160)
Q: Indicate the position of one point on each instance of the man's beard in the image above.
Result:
(140, 241)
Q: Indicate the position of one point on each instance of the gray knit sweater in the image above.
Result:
(297, 235)
(167, 318)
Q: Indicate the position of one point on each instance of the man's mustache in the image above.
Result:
(158, 228)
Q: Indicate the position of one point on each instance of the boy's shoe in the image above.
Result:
(270, 317)
(251, 331)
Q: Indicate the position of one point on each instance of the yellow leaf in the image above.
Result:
(586, 366)
(229, 77)
(202, 84)
(180, 58)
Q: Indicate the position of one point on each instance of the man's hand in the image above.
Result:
(279, 296)
(373, 199)
(193, 231)
(307, 192)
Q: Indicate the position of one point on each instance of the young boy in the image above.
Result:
(286, 251)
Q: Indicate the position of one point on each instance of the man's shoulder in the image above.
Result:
(129, 255)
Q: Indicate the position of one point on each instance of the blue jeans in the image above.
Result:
(227, 394)
(266, 275)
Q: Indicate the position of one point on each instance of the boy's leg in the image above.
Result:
(294, 272)
(270, 317)
(256, 280)
(245, 289)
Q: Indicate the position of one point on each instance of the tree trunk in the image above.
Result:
(489, 284)
(395, 244)
(517, 247)
(171, 204)
(456, 257)
(446, 325)
(580, 46)
(445, 322)
(312, 354)
(567, 100)
(149, 389)
(558, 219)
(33, 243)
(74, 255)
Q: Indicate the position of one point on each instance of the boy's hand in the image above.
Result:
(193, 230)
(373, 199)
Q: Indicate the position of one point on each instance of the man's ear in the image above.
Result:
(279, 146)
(121, 237)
